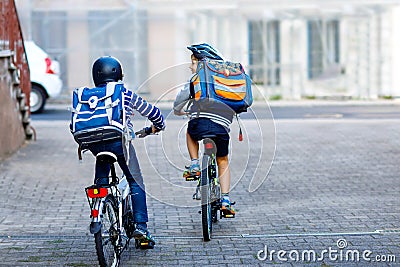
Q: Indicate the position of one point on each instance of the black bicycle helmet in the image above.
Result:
(201, 51)
(106, 69)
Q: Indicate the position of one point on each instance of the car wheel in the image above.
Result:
(37, 99)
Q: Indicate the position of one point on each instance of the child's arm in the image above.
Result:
(145, 109)
(181, 100)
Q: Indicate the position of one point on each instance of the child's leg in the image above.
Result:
(224, 174)
(225, 182)
(193, 146)
(135, 179)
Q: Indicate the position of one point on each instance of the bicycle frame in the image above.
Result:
(114, 198)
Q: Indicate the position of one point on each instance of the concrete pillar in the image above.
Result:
(395, 52)
(293, 57)
(162, 38)
(386, 46)
(78, 60)
(374, 58)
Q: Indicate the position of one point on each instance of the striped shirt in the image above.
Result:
(134, 102)
(217, 113)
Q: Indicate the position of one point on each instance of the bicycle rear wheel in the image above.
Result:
(205, 190)
(107, 238)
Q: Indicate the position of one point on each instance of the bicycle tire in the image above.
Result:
(106, 238)
(127, 217)
(206, 215)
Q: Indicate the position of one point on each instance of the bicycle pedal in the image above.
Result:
(144, 243)
(191, 178)
(226, 213)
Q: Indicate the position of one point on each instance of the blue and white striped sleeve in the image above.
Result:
(147, 110)
(127, 100)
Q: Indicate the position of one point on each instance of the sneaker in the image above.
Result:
(192, 172)
(143, 237)
(226, 208)
(140, 232)
(195, 169)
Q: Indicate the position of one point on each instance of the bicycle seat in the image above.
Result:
(107, 157)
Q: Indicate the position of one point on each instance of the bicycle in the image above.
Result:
(208, 189)
(112, 215)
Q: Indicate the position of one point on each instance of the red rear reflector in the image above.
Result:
(209, 146)
(97, 192)
(95, 213)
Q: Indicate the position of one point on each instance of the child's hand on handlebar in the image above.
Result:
(146, 131)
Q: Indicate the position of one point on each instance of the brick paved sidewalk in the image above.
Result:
(330, 180)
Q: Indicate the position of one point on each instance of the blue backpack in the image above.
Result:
(98, 113)
(222, 81)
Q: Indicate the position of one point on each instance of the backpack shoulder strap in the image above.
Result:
(110, 103)
(110, 90)
(79, 92)
(191, 85)
(75, 109)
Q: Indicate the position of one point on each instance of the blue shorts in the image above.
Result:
(199, 127)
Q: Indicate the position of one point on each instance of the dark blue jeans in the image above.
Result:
(132, 173)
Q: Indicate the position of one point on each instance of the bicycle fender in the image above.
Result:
(95, 227)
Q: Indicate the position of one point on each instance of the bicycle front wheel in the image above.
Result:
(205, 190)
(107, 238)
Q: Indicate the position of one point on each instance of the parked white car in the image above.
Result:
(44, 74)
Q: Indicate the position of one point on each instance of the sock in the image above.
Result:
(195, 161)
(225, 196)
(142, 225)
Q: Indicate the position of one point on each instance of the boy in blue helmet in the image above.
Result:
(105, 70)
(216, 120)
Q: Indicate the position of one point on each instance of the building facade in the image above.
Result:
(306, 49)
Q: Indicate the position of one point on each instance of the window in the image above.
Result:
(323, 49)
(264, 55)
